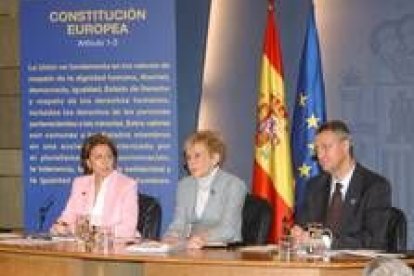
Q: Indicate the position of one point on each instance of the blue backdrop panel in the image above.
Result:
(97, 66)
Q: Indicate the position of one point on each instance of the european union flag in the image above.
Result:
(309, 111)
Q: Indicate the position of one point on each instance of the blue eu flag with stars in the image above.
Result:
(309, 111)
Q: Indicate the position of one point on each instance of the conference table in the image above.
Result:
(68, 258)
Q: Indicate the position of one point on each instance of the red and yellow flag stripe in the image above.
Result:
(272, 173)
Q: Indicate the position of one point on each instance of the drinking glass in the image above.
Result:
(319, 239)
(286, 248)
(82, 227)
(104, 238)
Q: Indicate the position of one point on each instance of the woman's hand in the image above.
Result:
(171, 239)
(196, 242)
(60, 228)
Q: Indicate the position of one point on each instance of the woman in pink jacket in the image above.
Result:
(107, 196)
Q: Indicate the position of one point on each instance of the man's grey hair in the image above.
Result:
(382, 266)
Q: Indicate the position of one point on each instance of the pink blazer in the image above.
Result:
(120, 203)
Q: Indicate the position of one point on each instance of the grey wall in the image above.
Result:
(10, 142)
(233, 96)
(368, 61)
(369, 72)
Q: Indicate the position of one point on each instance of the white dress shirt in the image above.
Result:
(203, 192)
(97, 208)
(345, 183)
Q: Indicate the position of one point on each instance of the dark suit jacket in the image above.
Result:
(363, 220)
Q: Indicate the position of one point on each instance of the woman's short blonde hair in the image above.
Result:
(211, 139)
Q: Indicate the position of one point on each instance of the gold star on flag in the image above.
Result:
(304, 170)
(302, 99)
(312, 121)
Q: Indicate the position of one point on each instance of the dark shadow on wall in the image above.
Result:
(192, 26)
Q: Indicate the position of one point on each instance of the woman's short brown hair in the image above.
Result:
(92, 141)
(211, 139)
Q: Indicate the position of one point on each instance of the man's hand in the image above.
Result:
(300, 236)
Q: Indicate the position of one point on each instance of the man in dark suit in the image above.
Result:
(347, 198)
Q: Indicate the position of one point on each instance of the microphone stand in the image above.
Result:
(43, 210)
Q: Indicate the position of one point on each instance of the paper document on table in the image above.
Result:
(150, 247)
(371, 253)
(268, 248)
(10, 235)
(25, 241)
(331, 253)
(63, 238)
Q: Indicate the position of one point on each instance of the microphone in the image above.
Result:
(44, 209)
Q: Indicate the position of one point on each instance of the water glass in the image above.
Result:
(188, 229)
(319, 240)
(286, 248)
(82, 227)
(104, 238)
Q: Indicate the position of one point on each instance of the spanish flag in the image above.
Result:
(272, 172)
